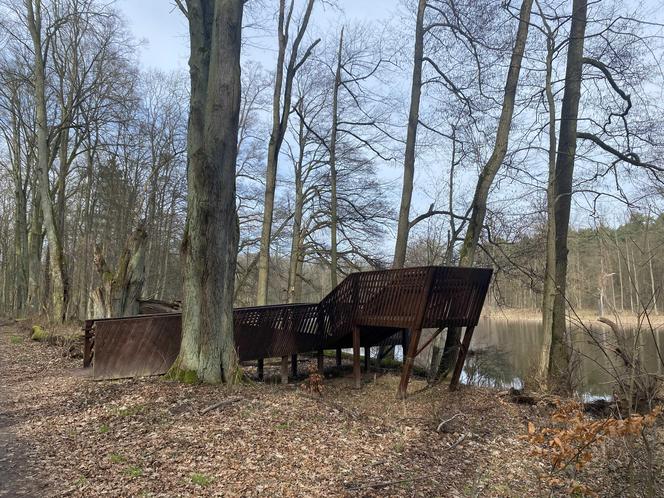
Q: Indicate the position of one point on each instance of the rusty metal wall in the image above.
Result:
(135, 346)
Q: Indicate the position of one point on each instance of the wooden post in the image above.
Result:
(284, 369)
(87, 345)
(338, 357)
(409, 360)
(356, 357)
(260, 367)
(404, 345)
(321, 361)
(463, 351)
(367, 358)
(415, 332)
(294, 365)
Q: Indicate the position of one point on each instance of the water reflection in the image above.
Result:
(506, 351)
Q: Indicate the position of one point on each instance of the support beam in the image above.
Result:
(321, 361)
(356, 357)
(284, 369)
(384, 353)
(260, 368)
(409, 360)
(430, 340)
(294, 365)
(367, 358)
(463, 351)
(338, 357)
(405, 339)
(415, 332)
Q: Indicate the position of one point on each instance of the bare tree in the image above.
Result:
(403, 227)
(45, 156)
(490, 169)
(281, 108)
(562, 187)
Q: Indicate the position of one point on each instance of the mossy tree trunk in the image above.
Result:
(120, 291)
(209, 247)
(58, 272)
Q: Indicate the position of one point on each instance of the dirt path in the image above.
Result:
(17, 459)
(16, 479)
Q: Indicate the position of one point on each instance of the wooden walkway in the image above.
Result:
(367, 309)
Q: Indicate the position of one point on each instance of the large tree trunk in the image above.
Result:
(489, 171)
(559, 375)
(296, 256)
(120, 291)
(403, 227)
(58, 273)
(35, 246)
(209, 247)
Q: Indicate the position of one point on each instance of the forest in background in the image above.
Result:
(611, 269)
(474, 143)
(302, 146)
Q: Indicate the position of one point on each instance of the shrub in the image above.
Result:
(568, 446)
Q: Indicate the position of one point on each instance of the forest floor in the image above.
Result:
(63, 434)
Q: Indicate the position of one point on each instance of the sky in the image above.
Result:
(163, 29)
(163, 32)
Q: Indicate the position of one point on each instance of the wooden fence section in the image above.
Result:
(366, 309)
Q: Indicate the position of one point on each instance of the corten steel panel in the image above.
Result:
(381, 303)
(135, 347)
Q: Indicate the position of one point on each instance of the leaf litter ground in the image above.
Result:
(63, 434)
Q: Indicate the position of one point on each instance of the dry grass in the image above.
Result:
(587, 317)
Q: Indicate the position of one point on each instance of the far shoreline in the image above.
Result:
(587, 317)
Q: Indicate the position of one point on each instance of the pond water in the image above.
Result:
(506, 351)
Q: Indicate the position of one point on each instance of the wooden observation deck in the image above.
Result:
(367, 309)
